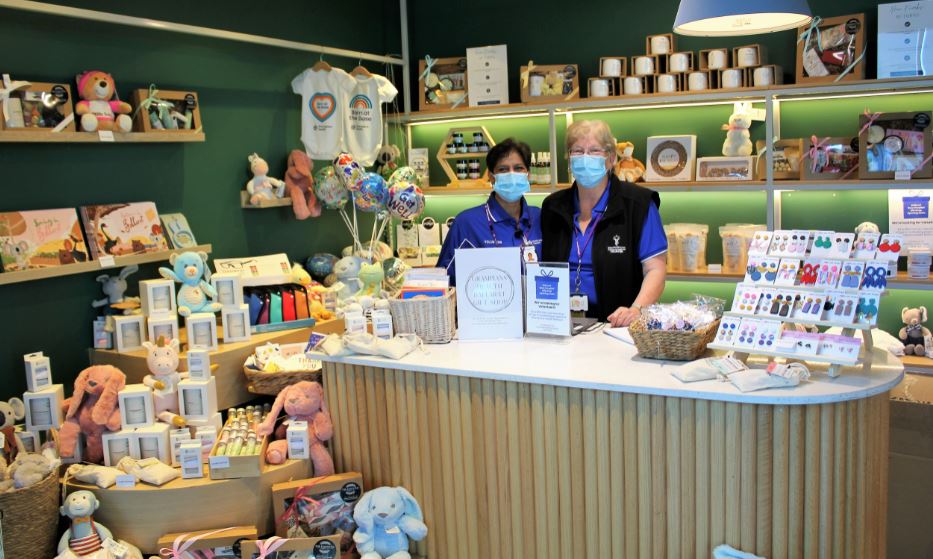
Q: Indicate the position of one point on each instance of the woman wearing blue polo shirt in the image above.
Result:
(505, 219)
(609, 231)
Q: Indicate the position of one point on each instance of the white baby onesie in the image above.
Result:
(363, 117)
(322, 116)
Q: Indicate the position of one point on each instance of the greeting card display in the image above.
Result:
(896, 145)
(41, 239)
(121, 229)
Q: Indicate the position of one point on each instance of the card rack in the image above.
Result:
(811, 279)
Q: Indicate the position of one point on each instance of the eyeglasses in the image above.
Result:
(599, 152)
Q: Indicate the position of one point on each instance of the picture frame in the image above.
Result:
(202, 331)
(152, 441)
(444, 86)
(235, 322)
(670, 158)
(297, 548)
(136, 406)
(838, 157)
(896, 143)
(197, 399)
(547, 83)
(38, 371)
(841, 42)
(725, 169)
(229, 288)
(165, 326)
(185, 112)
(39, 107)
(157, 297)
(44, 408)
(118, 445)
(129, 332)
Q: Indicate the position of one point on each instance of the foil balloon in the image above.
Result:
(372, 194)
(320, 265)
(329, 189)
(351, 172)
(406, 201)
(405, 174)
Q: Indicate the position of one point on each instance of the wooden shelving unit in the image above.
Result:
(94, 265)
(263, 204)
(917, 364)
(36, 137)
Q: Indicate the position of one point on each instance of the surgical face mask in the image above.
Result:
(511, 186)
(588, 169)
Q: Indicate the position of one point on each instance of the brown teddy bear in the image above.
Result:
(627, 167)
(914, 334)
(298, 183)
(98, 109)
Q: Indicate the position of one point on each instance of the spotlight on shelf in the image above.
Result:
(720, 18)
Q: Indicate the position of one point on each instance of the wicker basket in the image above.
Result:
(270, 384)
(30, 520)
(675, 345)
(433, 319)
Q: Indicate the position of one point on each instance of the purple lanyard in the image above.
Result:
(492, 231)
(588, 236)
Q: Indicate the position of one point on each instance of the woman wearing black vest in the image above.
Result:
(608, 230)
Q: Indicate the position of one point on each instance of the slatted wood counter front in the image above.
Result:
(504, 468)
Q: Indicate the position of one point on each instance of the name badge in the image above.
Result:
(529, 255)
(579, 303)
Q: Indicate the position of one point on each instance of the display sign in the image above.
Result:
(488, 75)
(547, 299)
(489, 293)
(909, 216)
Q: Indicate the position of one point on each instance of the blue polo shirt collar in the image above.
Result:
(600, 206)
(499, 214)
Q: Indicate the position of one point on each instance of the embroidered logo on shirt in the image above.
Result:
(615, 248)
(322, 106)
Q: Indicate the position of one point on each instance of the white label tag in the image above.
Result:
(105, 135)
(393, 530)
(220, 462)
(758, 114)
(126, 480)
(106, 261)
(714, 269)
(903, 175)
(117, 550)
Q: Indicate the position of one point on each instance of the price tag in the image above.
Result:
(220, 462)
(106, 261)
(903, 175)
(758, 114)
(117, 550)
(105, 135)
(714, 269)
(126, 480)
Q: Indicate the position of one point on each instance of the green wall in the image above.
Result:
(246, 103)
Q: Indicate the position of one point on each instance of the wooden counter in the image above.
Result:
(611, 459)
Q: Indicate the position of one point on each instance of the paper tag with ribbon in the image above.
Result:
(184, 542)
(9, 86)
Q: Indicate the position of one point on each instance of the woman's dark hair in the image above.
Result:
(503, 149)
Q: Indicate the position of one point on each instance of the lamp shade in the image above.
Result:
(718, 18)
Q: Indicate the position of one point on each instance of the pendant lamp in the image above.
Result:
(719, 18)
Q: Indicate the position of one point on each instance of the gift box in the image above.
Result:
(36, 107)
(317, 507)
(166, 112)
(832, 49)
(895, 145)
(831, 158)
(293, 548)
(218, 542)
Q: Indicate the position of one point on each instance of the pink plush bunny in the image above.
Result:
(302, 401)
(92, 410)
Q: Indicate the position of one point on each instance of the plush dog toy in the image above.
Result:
(97, 108)
(302, 401)
(92, 410)
(627, 167)
(195, 294)
(914, 334)
(299, 183)
(163, 377)
(386, 517)
(10, 413)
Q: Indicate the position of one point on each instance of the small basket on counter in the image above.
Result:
(678, 331)
(433, 319)
(271, 382)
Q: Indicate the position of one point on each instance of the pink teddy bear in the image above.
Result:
(92, 410)
(302, 401)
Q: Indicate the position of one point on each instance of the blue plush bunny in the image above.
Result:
(194, 292)
(386, 517)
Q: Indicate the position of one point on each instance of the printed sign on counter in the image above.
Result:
(547, 292)
(909, 216)
(489, 293)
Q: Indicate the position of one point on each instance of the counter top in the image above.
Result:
(597, 361)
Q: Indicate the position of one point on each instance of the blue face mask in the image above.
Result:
(511, 186)
(588, 169)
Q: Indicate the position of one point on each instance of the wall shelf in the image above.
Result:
(94, 265)
(30, 137)
(263, 204)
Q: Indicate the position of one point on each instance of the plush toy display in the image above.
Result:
(299, 185)
(85, 538)
(627, 167)
(29, 469)
(162, 361)
(116, 302)
(738, 140)
(371, 276)
(386, 160)
(195, 294)
(10, 413)
(914, 334)
(262, 187)
(347, 271)
(302, 401)
(92, 410)
(97, 108)
(386, 517)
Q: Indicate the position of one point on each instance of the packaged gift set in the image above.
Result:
(832, 49)
(318, 507)
(895, 145)
(36, 106)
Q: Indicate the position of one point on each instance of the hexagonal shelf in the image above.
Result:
(445, 158)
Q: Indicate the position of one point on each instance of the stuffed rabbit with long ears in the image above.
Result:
(302, 401)
(386, 517)
(92, 410)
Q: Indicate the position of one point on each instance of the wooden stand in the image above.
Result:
(445, 158)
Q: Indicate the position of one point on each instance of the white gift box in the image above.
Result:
(189, 455)
(235, 321)
(117, 445)
(38, 371)
(202, 331)
(153, 442)
(199, 364)
(197, 399)
(298, 443)
(157, 297)
(229, 288)
(44, 408)
(163, 325)
(129, 332)
(136, 406)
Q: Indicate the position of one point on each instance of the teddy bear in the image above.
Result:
(302, 401)
(914, 334)
(195, 294)
(97, 108)
(386, 157)
(299, 183)
(85, 538)
(262, 187)
(10, 412)
(163, 377)
(627, 167)
(738, 140)
(386, 517)
(92, 410)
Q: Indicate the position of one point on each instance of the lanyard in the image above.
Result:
(490, 220)
(588, 236)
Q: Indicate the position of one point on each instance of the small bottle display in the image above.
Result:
(478, 138)
(533, 172)
(461, 169)
(451, 148)
(472, 148)
(474, 169)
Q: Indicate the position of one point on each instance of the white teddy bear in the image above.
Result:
(738, 140)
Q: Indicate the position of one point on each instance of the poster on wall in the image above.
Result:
(489, 294)
(909, 215)
(547, 296)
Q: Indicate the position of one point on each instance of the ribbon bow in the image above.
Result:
(268, 547)
(9, 87)
(546, 273)
(851, 66)
(184, 542)
(301, 497)
(526, 75)
(805, 36)
(428, 64)
(815, 145)
(872, 117)
(153, 102)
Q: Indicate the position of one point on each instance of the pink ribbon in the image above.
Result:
(872, 117)
(300, 497)
(184, 542)
(267, 547)
(815, 145)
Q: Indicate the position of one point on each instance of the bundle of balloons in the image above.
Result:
(346, 181)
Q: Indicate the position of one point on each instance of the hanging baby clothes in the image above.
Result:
(322, 94)
(363, 118)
